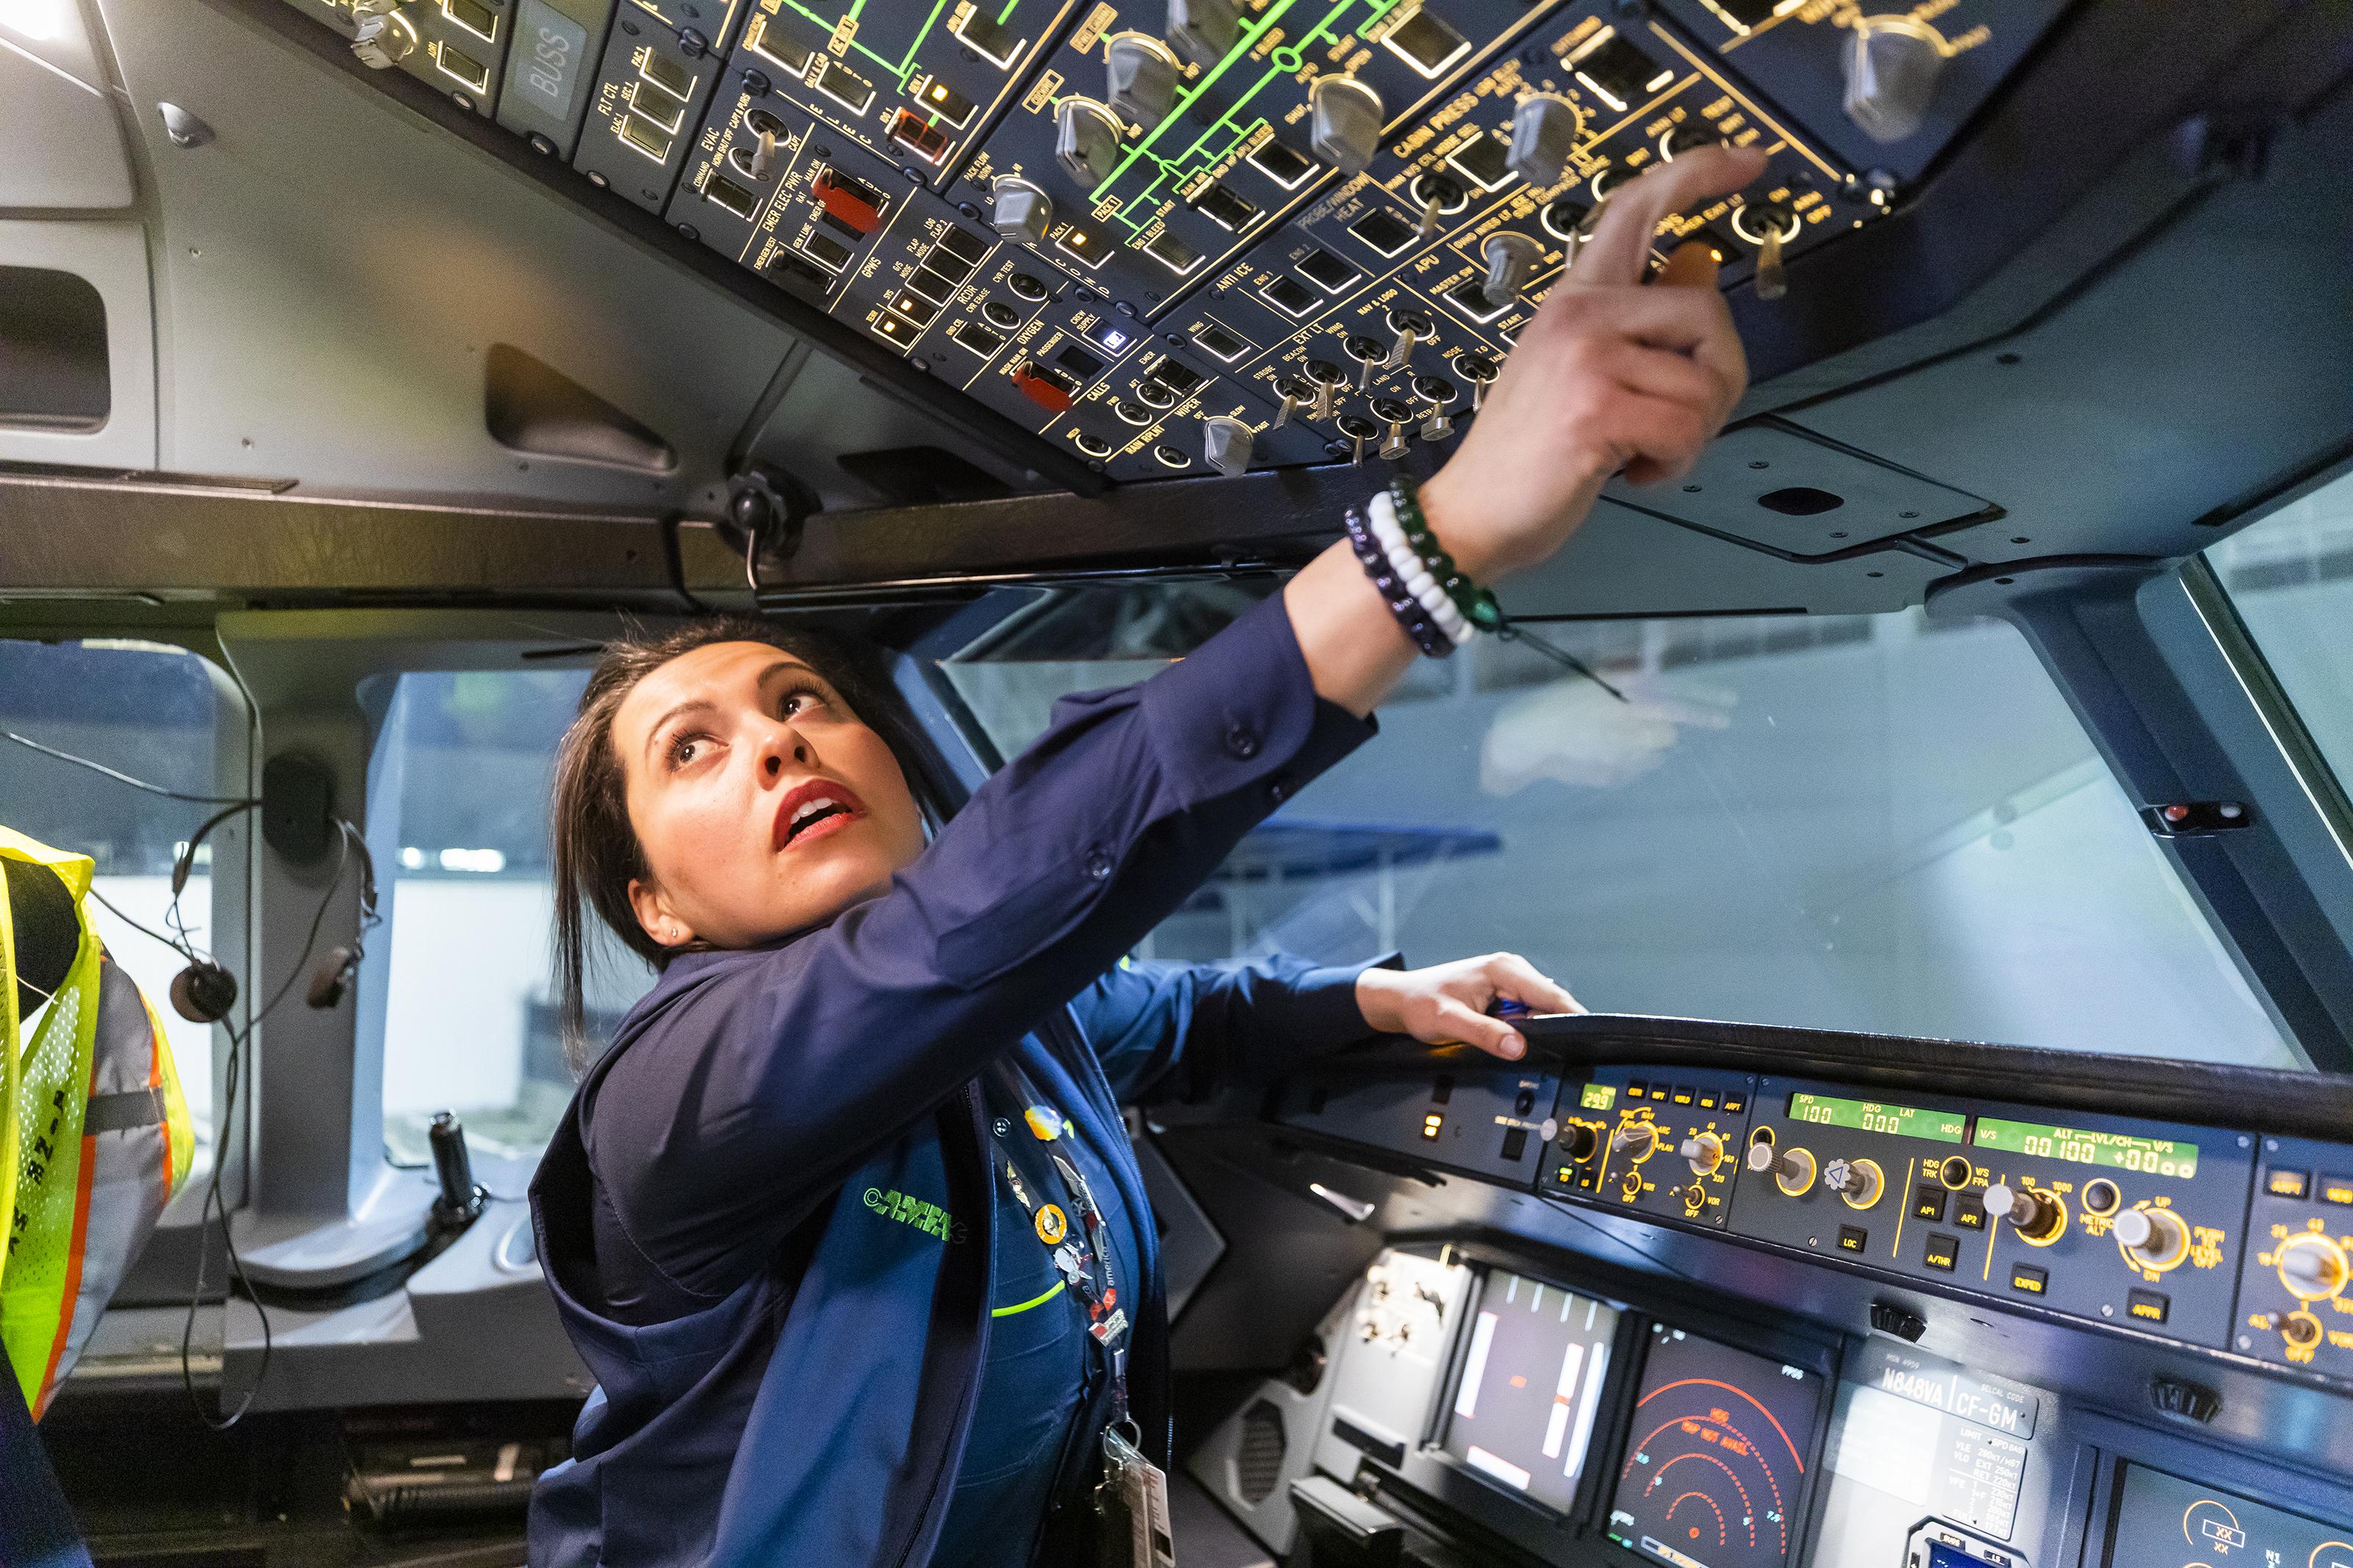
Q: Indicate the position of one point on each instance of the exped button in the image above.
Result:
(2146, 1306)
(1853, 1238)
(2027, 1278)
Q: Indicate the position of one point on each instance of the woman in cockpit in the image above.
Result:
(844, 1221)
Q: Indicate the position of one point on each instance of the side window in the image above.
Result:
(155, 712)
(458, 819)
(2291, 576)
(1869, 823)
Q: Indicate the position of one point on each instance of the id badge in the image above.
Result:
(1134, 1501)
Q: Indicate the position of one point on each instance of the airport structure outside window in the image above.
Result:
(151, 712)
(2291, 576)
(1870, 823)
(458, 820)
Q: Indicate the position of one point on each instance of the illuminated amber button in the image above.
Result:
(2288, 1183)
(2146, 1306)
(2033, 1281)
(2337, 1189)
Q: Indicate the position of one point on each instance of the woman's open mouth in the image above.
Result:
(815, 810)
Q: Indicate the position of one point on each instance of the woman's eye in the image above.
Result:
(685, 750)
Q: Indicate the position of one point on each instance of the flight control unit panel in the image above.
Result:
(1192, 236)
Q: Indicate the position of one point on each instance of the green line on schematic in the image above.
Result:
(1243, 46)
(908, 65)
(854, 44)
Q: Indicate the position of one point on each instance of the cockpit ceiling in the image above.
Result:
(2113, 334)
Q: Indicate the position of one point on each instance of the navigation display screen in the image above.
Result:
(2150, 1156)
(2165, 1522)
(1522, 1415)
(1869, 1116)
(1715, 1460)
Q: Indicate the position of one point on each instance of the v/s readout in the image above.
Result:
(1871, 1116)
(2117, 1151)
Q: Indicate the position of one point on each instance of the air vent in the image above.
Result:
(53, 342)
(531, 407)
(1257, 1461)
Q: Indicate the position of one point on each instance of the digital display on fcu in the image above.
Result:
(1869, 1116)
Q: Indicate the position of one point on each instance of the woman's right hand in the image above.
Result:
(1610, 375)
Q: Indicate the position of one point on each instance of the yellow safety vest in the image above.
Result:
(95, 1139)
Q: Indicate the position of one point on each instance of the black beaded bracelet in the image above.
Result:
(1409, 611)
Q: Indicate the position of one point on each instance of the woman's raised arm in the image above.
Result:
(1609, 375)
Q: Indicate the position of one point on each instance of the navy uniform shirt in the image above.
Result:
(786, 1375)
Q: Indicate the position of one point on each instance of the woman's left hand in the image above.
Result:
(1447, 1003)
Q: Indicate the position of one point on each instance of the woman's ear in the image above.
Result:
(654, 914)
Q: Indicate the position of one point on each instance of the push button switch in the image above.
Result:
(2146, 1306)
(1942, 1252)
(1928, 1202)
(1969, 1211)
(2288, 1183)
(2027, 1278)
(1853, 1238)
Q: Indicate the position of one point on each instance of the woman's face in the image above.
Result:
(761, 802)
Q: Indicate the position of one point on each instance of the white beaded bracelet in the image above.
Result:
(1380, 513)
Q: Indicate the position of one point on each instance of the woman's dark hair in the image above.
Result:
(596, 853)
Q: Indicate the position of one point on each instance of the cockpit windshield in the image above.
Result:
(1874, 823)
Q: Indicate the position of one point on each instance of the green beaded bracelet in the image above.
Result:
(1477, 604)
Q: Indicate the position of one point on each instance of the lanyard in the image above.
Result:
(1081, 1256)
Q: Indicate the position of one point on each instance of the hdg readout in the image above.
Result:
(1869, 1116)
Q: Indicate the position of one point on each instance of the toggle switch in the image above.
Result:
(1201, 31)
(1345, 122)
(1544, 130)
(1397, 417)
(1438, 393)
(1480, 371)
(1329, 379)
(1769, 225)
(1368, 353)
(1358, 430)
(383, 38)
(1583, 231)
(1891, 66)
(1225, 443)
(1437, 195)
(763, 156)
(1086, 140)
(1511, 260)
(1293, 393)
(1140, 77)
(1022, 212)
(1411, 327)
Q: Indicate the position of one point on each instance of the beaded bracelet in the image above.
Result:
(1380, 516)
(1410, 613)
(1477, 604)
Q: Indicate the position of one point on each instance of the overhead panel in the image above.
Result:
(1185, 237)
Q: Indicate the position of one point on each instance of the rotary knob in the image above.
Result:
(1202, 30)
(1346, 122)
(1793, 1170)
(1544, 129)
(1140, 77)
(1511, 260)
(381, 38)
(1640, 1139)
(2037, 1217)
(1225, 443)
(2151, 1238)
(1892, 64)
(1859, 1182)
(2311, 1266)
(1022, 212)
(1703, 1152)
(1582, 1141)
(1086, 140)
